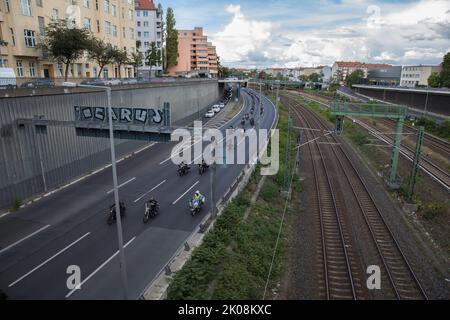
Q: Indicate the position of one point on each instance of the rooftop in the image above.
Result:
(144, 5)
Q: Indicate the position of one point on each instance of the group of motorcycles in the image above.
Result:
(152, 206)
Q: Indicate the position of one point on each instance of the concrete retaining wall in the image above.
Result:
(27, 156)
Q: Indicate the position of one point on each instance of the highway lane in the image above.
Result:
(78, 234)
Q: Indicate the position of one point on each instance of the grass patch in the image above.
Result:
(234, 259)
(441, 130)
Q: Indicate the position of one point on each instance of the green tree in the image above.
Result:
(434, 80)
(445, 73)
(65, 44)
(120, 57)
(354, 78)
(172, 40)
(303, 77)
(136, 59)
(315, 77)
(153, 56)
(102, 53)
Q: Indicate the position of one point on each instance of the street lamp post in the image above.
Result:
(116, 188)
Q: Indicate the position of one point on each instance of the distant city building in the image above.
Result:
(418, 75)
(148, 30)
(326, 72)
(307, 71)
(343, 68)
(384, 76)
(22, 23)
(196, 56)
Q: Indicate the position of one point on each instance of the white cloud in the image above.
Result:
(391, 33)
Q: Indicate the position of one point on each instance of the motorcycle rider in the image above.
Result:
(199, 197)
(151, 204)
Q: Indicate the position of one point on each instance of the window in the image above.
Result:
(32, 69)
(145, 13)
(13, 39)
(131, 33)
(96, 5)
(138, 13)
(98, 25)
(39, 3)
(113, 10)
(114, 32)
(146, 34)
(124, 33)
(7, 6)
(145, 23)
(55, 14)
(138, 23)
(30, 38)
(86, 3)
(87, 24)
(107, 27)
(59, 66)
(130, 14)
(26, 7)
(41, 22)
(139, 34)
(19, 68)
(106, 6)
(146, 44)
(105, 72)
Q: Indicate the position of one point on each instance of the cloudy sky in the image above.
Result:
(291, 33)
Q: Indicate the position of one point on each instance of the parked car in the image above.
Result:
(222, 105)
(94, 82)
(209, 114)
(216, 109)
(7, 78)
(38, 83)
(130, 81)
(113, 82)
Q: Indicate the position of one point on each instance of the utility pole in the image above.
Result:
(394, 160)
(288, 155)
(415, 168)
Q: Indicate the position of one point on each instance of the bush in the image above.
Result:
(433, 210)
(17, 203)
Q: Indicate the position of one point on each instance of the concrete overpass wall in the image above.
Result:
(66, 156)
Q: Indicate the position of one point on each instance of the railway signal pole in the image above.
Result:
(415, 168)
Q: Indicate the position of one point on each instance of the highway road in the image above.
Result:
(69, 227)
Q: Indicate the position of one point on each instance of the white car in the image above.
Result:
(222, 105)
(210, 114)
(216, 109)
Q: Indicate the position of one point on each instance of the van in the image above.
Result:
(7, 78)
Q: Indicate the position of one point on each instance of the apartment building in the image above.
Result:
(148, 30)
(195, 54)
(412, 76)
(341, 69)
(23, 22)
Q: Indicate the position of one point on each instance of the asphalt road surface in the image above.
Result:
(38, 243)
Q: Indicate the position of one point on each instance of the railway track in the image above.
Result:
(436, 170)
(397, 272)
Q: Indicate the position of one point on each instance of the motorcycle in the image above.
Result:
(184, 170)
(195, 206)
(151, 211)
(112, 213)
(252, 122)
(243, 122)
(202, 168)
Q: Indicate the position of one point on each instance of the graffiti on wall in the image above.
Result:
(143, 116)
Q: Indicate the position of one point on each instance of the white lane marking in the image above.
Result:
(23, 239)
(151, 190)
(98, 269)
(122, 185)
(48, 260)
(175, 202)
